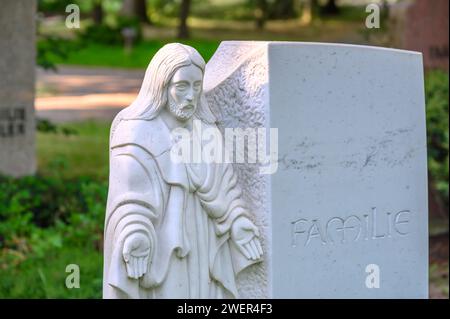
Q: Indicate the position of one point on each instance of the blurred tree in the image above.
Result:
(261, 13)
(97, 12)
(274, 9)
(140, 7)
(437, 93)
(282, 9)
(330, 8)
(135, 8)
(310, 10)
(183, 31)
(48, 7)
(49, 47)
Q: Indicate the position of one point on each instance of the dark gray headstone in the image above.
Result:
(17, 68)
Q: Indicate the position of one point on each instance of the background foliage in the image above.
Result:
(436, 90)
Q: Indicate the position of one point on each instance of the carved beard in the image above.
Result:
(179, 112)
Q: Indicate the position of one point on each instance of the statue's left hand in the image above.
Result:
(245, 235)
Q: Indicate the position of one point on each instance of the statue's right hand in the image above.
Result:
(136, 252)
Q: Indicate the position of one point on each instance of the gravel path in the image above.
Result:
(76, 93)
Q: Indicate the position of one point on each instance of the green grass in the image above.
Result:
(92, 54)
(45, 277)
(83, 154)
(29, 274)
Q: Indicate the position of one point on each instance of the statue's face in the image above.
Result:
(184, 92)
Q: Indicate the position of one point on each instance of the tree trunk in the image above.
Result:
(140, 10)
(97, 12)
(183, 31)
(330, 8)
(261, 13)
(315, 8)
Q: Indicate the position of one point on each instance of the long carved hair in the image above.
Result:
(152, 96)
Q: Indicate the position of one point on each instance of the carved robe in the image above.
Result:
(185, 211)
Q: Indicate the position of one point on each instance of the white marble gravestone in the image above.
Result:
(345, 214)
(17, 67)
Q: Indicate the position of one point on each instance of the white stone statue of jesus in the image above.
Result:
(172, 230)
